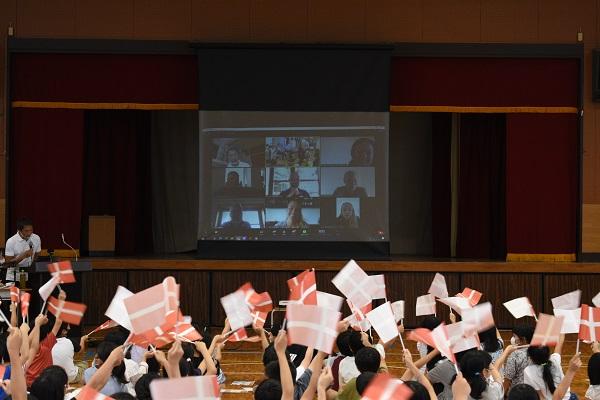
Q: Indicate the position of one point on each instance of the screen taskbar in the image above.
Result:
(295, 234)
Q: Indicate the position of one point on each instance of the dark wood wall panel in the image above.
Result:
(98, 289)
(225, 282)
(556, 285)
(194, 290)
(499, 288)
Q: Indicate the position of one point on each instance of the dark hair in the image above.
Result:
(23, 222)
(489, 340)
(419, 392)
(472, 365)
(594, 369)
(363, 380)
(523, 331)
(153, 366)
(355, 342)
(103, 351)
(367, 359)
(122, 396)
(343, 343)
(522, 391)
(269, 389)
(50, 384)
(540, 355)
(360, 142)
(272, 370)
(271, 355)
(118, 337)
(142, 386)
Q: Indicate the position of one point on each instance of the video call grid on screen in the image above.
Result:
(273, 176)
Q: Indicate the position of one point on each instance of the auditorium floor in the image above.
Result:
(243, 363)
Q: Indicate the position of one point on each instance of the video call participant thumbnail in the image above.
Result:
(362, 152)
(294, 189)
(347, 217)
(350, 188)
(294, 216)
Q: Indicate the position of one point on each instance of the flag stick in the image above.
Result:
(456, 368)
(401, 341)
(522, 346)
(283, 324)
(577, 347)
(44, 306)
(535, 316)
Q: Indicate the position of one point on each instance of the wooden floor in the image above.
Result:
(243, 363)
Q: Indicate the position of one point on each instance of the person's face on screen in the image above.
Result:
(347, 210)
(235, 213)
(233, 179)
(233, 157)
(350, 179)
(26, 231)
(294, 180)
(362, 153)
(294, 209)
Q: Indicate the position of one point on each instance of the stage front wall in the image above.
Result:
(202, 289)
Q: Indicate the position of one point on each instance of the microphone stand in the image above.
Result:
(62, 235)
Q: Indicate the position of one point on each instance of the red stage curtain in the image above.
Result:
(542, 183)
(478, 82)
(481, 227)
(118, 175)
(46, 161)
(441, 196)
(104, 78)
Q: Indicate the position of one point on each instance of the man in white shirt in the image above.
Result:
(22, 248)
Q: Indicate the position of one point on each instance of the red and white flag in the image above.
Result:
(256, 301)
(185, 331)
(14, 294)
(568, 301)
(458, 304)
(188, 388)
(25, 297)
(386, 387)
(459, 341)
(425, 305)
(67, 311)
(590, 323)
(355, 284)
(572, 319)
(478, 318)
(383, 321)
(116, 309)
(422, 335)
(303, 288)
(398, 309)
(63, 270)
(242, 336)
(259, 319)
(88, 393)
(155, 306)
(46, 290)
(312, 326)
(358, 320)
(596, 300)
(520, 307)
(547, 330)
(108, 324)
(378, 282)
(330, 301)
(473, 295)
(438, 287)
(442, 342)
(237, 310)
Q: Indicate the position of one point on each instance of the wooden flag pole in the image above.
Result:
(401, 340)
(577, 346)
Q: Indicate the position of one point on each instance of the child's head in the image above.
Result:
(355, 342)
(363, 380)
(343, 343)
(269, 389)
(102, 353)
(522, 335)
(272, 370)
(594, 369)
(489, 340)
(540, 355)
(522, 391)
(419, 392)
(367, 359)
(474, 365)
(50, 384)
(142, 386)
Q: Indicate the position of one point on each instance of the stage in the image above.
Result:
(204, 282)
